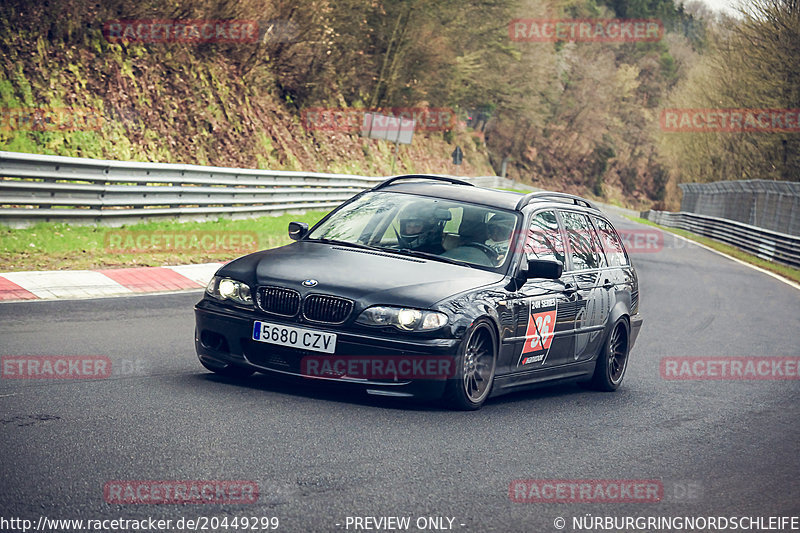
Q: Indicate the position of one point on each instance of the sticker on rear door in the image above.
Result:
(540, 331)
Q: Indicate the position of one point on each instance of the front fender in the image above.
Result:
(467, 308)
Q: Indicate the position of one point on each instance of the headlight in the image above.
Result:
(230, 289)
(402, 318)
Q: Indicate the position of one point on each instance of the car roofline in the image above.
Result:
(544, 195)
(434, 177)
(524, 200)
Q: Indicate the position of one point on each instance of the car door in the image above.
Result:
(542, 306)
(590, 278)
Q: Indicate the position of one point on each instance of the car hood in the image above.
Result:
(362, 275)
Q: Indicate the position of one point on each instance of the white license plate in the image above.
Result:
(304, 339)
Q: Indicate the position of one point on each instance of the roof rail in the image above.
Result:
(447, 179)
(577, 200)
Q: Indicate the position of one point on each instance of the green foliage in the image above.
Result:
(751, 63)
(64, 246)
(669, 68)
(566, 114)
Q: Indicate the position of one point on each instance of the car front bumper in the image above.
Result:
(223, 336)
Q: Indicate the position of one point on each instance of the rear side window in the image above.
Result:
(612, 246)
(545, 240)
(585, 249)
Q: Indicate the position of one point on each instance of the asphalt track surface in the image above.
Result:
(320, 455)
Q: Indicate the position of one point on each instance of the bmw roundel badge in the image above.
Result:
(309, 283)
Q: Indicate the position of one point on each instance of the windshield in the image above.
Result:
(436, 228)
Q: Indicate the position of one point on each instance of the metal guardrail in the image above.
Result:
(35, 188)
(45, 188)
(766, 244)
(772, 205)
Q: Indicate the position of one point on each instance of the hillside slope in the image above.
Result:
(178, 104)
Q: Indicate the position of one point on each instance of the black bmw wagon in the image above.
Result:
(430, 287)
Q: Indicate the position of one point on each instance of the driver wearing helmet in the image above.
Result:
(420, 229)
(499, 228)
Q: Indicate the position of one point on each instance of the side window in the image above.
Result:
(611, 244)
(545, 240)
(584, 244)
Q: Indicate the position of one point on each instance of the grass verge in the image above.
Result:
(56, 246)
(786, 271)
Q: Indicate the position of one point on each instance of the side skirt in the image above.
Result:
(531, 378)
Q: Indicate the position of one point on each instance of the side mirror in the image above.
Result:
(544, 268)
(297, 230)
(535, 269)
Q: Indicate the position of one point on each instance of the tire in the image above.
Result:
(613, 359)
(475, 368)
(230, 371)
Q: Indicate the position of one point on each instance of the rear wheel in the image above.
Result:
(613, 359)
(231, 371)
(475, 367)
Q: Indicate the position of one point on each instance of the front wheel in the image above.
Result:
(613, 359)
(475, 367)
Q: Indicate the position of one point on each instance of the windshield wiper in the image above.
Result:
(426, 255)
(401, 251)
(345, 243)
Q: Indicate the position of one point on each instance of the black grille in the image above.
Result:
(279, 301)
(328, 309)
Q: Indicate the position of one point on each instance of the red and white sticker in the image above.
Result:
(540, 331)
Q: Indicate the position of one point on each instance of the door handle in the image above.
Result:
(607, 284)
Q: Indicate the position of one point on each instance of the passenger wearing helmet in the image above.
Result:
(421, 227)
(499, 228)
